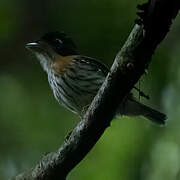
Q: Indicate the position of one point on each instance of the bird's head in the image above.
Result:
(52, 45)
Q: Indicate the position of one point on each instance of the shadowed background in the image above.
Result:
(31, 121)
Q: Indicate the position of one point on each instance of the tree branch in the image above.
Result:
(129, 65)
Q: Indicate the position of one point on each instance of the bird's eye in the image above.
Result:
(59, 41)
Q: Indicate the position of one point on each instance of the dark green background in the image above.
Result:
(31, 121)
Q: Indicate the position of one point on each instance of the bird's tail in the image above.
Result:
(154, 115)
(134, 108)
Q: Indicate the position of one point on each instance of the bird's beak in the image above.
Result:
(33, 46)
(40, 47)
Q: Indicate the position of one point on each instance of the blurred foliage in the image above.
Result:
(31, 121)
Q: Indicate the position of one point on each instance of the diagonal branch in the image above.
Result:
(129, 65)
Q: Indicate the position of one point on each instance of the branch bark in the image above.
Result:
(129, 65)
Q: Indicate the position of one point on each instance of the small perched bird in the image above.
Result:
(75, 79)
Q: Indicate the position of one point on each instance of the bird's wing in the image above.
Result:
(94, 62)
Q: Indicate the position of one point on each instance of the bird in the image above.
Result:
(75, 79)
